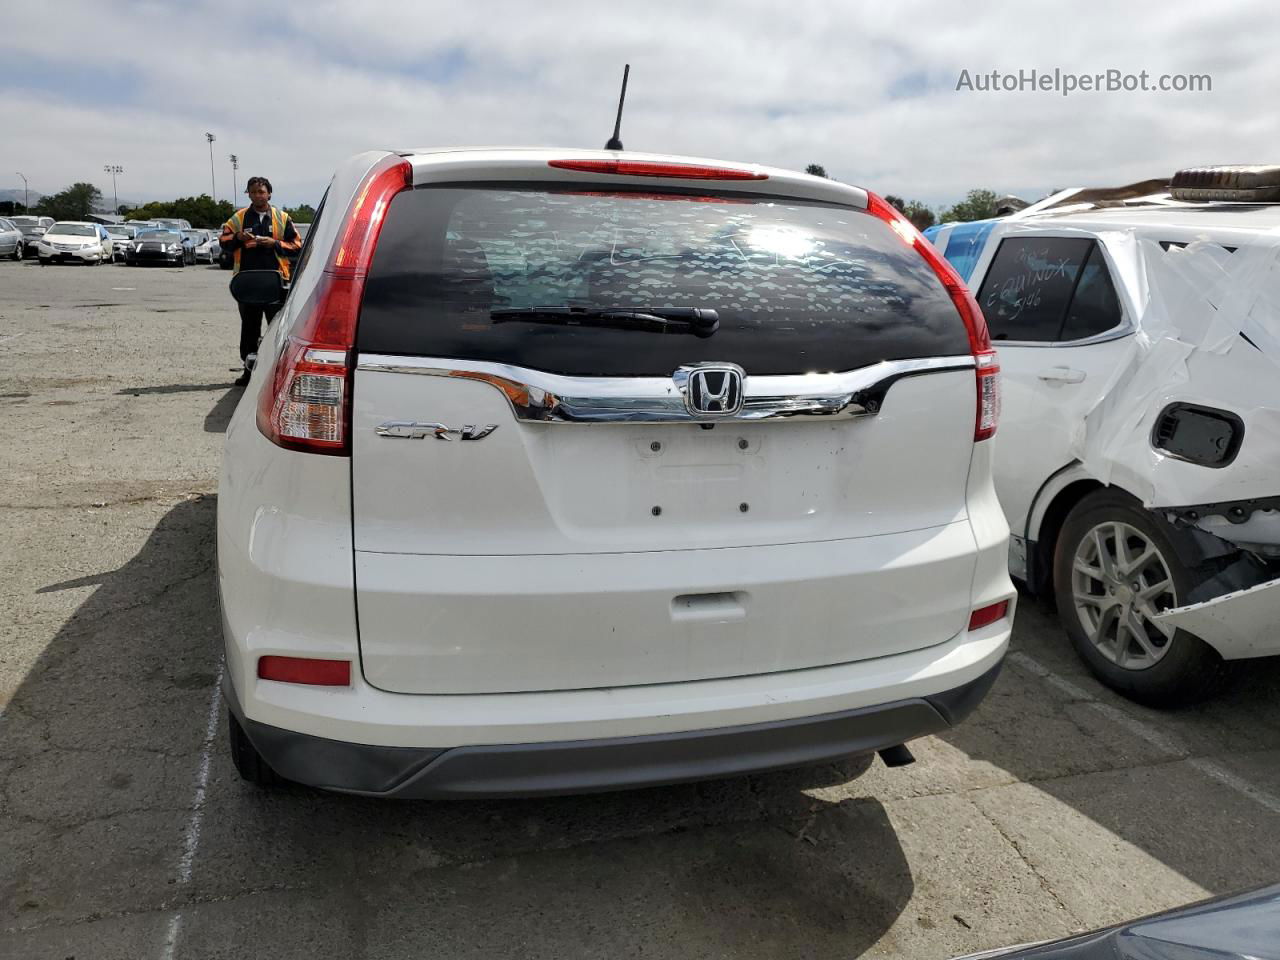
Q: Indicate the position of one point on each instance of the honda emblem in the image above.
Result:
(711, 389)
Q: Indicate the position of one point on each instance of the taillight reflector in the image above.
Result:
(985, 616)
(316, 673)
(988, 367)
(641, 168)
(307, 405)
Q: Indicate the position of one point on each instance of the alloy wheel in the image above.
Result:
(1119, 582)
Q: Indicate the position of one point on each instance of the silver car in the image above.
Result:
(33, 229)
(12, 242)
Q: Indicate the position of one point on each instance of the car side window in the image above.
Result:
(304, 255)
(1029, 286)
(1095, 308)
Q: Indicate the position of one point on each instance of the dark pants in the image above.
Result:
(251, 325)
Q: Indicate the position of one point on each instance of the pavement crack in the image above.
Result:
(167, 906)
(1035, 872)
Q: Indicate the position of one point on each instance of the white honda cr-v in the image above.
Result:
(574, 470)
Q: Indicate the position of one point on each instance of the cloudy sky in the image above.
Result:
(866, 89)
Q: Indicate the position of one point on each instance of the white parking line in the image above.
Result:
(191, 841)
(1157, 738)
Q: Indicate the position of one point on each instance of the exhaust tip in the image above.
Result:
(898, 756)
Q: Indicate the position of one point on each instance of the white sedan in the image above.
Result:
(75, 241)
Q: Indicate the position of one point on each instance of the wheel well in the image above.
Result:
(1041, 572)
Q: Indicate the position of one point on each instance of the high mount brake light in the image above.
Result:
(644, 168)
(307, 405)
(987, 361)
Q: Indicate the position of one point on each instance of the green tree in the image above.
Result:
(74, 203)
(202, 211)
(896, 202)
(920, 215)
(816, 170)
(303, 213)
(977, 205)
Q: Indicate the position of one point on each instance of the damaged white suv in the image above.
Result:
(1138, 460)
(577, 470)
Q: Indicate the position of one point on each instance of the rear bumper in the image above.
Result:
(616, 763)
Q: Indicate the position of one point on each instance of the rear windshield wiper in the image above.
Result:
(699, 321)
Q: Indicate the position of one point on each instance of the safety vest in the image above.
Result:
(279, 220)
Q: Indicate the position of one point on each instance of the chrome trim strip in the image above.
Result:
(539, 397)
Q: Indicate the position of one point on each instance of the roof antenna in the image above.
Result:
(614, 143)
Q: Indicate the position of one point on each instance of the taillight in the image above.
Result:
(644, 168)
(308, 670)
(984, 616)
(307, 405)
(988, 363)
(988, 394)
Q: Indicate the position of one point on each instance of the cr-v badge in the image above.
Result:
(413, 430)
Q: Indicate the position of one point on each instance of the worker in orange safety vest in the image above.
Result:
(261, 237)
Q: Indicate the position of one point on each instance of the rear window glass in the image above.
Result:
(1095, 308)
(798, 287)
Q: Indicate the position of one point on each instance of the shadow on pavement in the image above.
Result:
(101, 743)
(173, 388)
(219, 416)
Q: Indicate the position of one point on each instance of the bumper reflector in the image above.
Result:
(988, 615)
(318, 673)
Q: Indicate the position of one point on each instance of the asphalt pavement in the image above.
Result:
(125, 832)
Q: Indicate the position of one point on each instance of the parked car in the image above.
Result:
(122, 236)
(12, 242)
(1243, 926)
(1136, 461)
(707, 447)
(208, 250)
(226, 258)
(156, 246)
(172, 223)
(75, 241)
(32, 228)
(190, 240)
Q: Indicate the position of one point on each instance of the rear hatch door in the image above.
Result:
(550, 490)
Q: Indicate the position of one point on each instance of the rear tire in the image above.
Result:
(1104, 603)
(248, 761)
(17, 252)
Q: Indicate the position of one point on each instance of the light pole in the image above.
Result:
(213, 184)
(113, 169)
(235, 165)
(26, 207)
